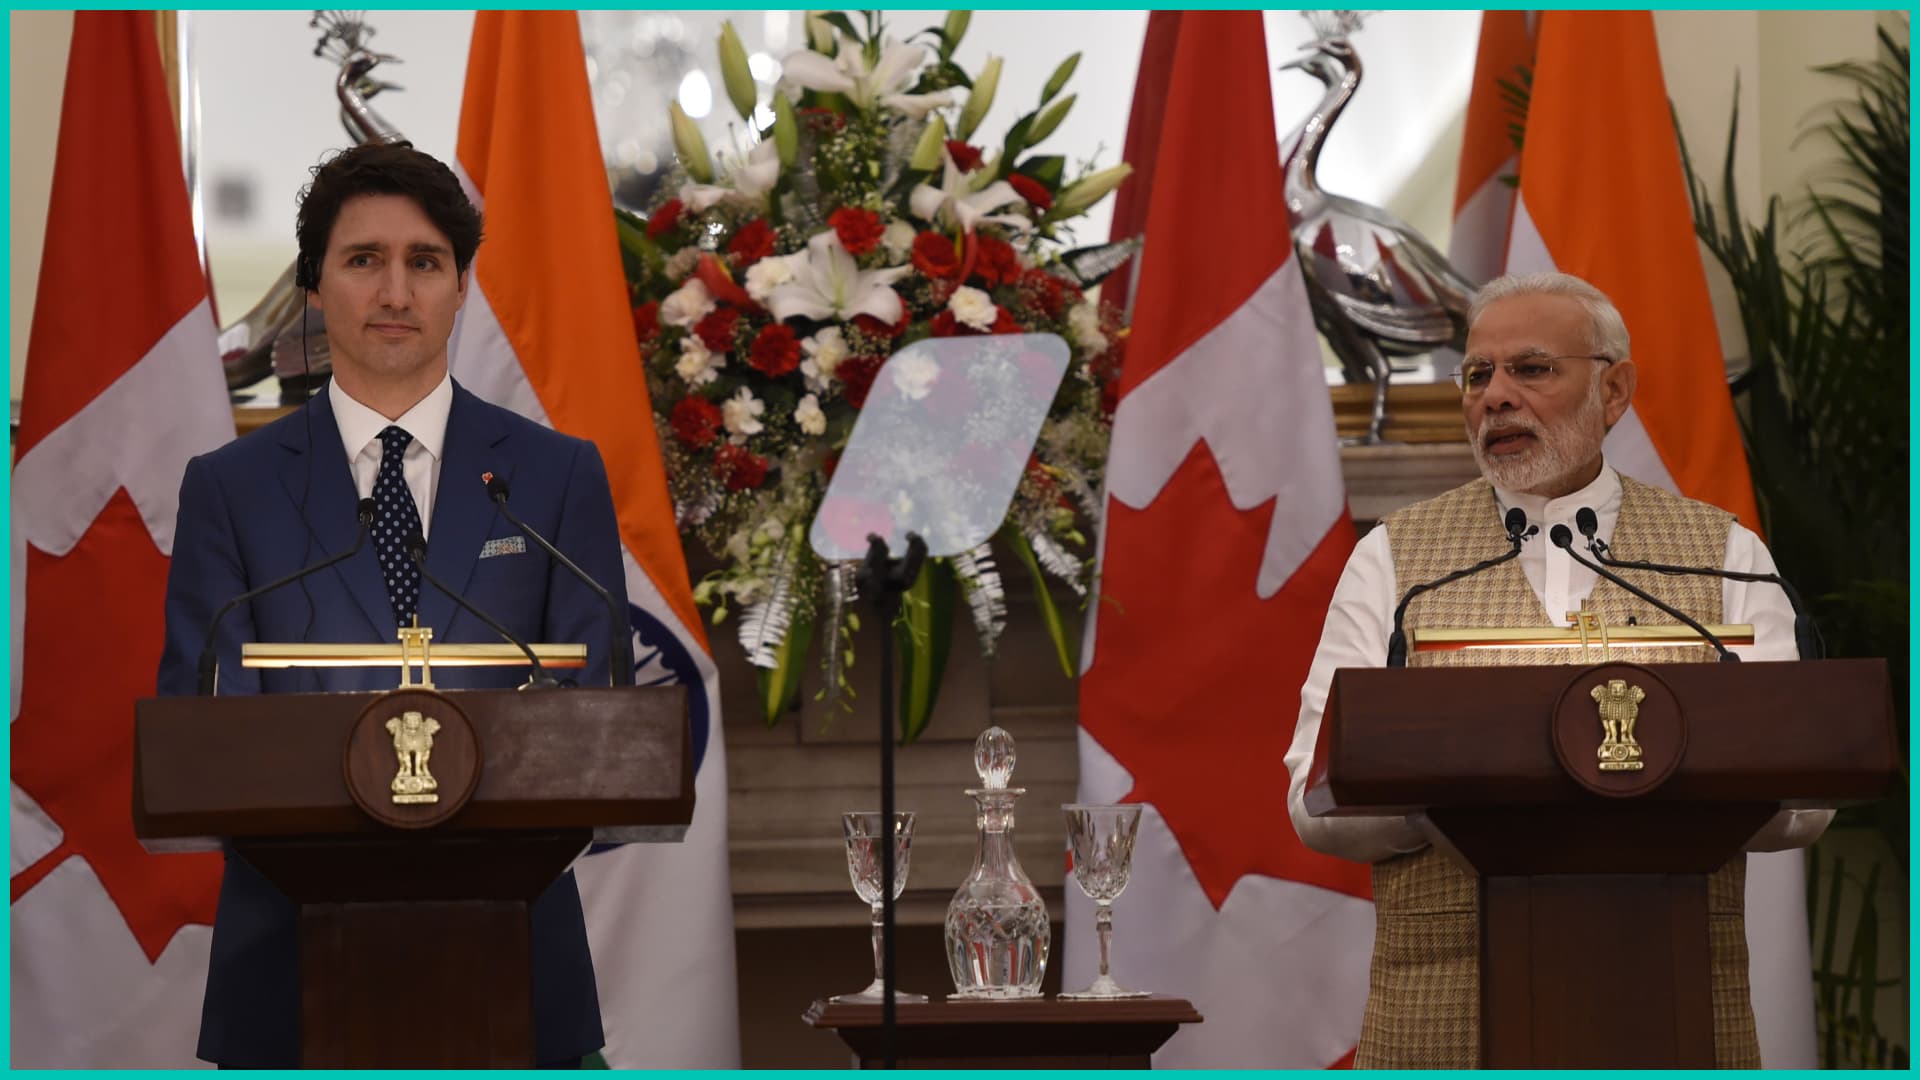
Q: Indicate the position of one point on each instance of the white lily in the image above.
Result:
(848, 73)
(828, 283)
(750, 176)
(955, 200)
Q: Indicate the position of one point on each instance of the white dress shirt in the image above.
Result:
(1360, 619)
(360, 429)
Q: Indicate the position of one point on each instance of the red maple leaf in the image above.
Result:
(1195, 683)
(94, 631)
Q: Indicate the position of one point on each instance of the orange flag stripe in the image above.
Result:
(1601, 179)
(551, 267)
(1505, 45)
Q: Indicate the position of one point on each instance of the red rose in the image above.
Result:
(716, 328)
(776, 350)
(859, 230)
(874, 328)
(646, 320)
(933, 255)
(856, 375)
(664, 217)
(1032, 190)
(739, 468)
(696, 421)
(752, 242)
(964, 156)
(995, 261)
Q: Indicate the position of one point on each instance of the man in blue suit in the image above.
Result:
(386, 239)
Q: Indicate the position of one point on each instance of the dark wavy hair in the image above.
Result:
(382, 168)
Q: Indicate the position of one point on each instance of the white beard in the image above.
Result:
(1559, 452)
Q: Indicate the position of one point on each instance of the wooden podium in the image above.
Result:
(414, 924)
(1593, 884)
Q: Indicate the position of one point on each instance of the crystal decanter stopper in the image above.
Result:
(997, 933)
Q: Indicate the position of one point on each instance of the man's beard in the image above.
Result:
(1557, 453)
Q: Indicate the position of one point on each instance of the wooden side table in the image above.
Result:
(1039, 1034)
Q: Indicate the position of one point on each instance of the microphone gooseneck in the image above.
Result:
(1805, 638)
(619, 645)
(1562, 538)
(207, 676)
(417, 551)
(1517, 533)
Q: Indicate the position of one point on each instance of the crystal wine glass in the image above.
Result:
(864, 836)
(1102, 838)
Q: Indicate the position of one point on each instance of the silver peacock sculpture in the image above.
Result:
(268, 337)
(1377, 287)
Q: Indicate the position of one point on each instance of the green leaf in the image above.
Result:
(638, 253)
(839, 21)
(924, 633)
(1056, 629)
(780, 684)
(1047, 169)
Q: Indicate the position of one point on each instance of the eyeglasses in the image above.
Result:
(1532, 372)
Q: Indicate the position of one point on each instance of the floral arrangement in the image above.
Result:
(771, 284)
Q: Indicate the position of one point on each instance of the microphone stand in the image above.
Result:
(1562, 538)
(887, 579)
(1805, 638)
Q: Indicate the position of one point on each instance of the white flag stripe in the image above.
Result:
(1243, 390)
(1478, 246)
(106, 1008)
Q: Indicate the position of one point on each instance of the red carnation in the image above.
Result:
(646, 320)
(933, 255)
(1051, 293)
(859, 230)
(696, 421)
(964, 156)
(856, 375)
(739, 468)
(1032, 190)
(874, 328)
(752, 242)
(945, 324)
(664, 217)
(995, 261)
(716, 328)
(776, 350)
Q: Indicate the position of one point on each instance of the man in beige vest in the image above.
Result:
(1547, 374)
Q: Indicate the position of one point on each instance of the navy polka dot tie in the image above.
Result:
(396, 519)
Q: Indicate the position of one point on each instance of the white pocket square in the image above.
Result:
(505, 545)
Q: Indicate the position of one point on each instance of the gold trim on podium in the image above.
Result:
(1442, 639)
(291, 655)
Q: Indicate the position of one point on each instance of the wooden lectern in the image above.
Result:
(413, 829)
(1593, 882)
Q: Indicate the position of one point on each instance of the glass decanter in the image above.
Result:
(997, 933)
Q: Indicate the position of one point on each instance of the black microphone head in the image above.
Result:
(1586, 521)
(1561, 536)
(1516, 523)
(496, 488)
(416, 547)
(367, 509)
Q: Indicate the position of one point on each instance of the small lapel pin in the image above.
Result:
(486, 478)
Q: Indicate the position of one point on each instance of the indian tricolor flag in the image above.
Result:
(1226, 527)
(122, 387)
(1483, 196)
(1602, 196)
(548, 332)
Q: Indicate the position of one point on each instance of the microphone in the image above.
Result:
(1805, 640)
(417, 551)
(619, 646)
(1517, 532)
(209, 668)
(1562, 538)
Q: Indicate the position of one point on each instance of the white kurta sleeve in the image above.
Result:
(1359, 621)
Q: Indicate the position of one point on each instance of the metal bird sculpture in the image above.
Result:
(268, 338)
(1377, 288)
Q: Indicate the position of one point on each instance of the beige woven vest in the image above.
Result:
(1423, 1004)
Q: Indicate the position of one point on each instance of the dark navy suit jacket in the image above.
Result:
(282, 498)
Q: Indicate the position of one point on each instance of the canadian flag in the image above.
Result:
(1602, 196)
(123, 385)
(1226, 527)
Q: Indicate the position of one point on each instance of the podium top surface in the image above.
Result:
(952, 1012)
(1397, 740)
